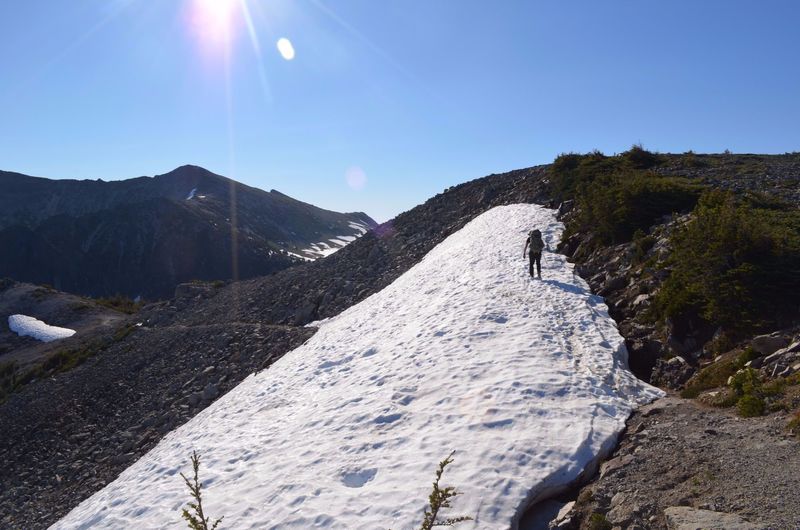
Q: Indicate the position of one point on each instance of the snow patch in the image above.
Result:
(26, 326)
(359, 226)
(526, 379)
(191, 194)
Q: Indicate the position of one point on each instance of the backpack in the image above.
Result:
(537, 245)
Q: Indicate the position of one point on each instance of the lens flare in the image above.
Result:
(285, 48)
(355, 178)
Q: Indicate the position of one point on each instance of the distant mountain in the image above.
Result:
(143, 236)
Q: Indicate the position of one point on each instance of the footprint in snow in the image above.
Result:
(359, 477)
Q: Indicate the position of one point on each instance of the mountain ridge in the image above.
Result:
(143, 236)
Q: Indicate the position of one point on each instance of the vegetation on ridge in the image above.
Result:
(618, 196)
(737, 263)
(726, 271)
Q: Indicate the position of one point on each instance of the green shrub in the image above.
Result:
(637, 157)
(712, 376)
(569, 172)
(734, 264)
(614, 207)
(642, 244)
(750, 406)
(690, 160)
(616, 196)
(747, 355)
(598, 521)
(121, 303)
(747, 386)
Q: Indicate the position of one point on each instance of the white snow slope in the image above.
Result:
(24, 325)
(525, 379)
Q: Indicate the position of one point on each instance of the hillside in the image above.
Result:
(190, 350)
(143, 236)
(256, 321)
(348, 426)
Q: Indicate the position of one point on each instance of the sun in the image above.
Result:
(215, 20)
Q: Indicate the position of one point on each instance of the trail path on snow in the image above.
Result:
(526, 379)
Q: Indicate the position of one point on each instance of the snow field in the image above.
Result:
(24, 325)
(525, 379)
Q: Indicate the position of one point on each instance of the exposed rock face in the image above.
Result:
(767, 344)
(143, 236)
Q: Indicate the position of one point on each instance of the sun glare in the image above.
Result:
(214, 19)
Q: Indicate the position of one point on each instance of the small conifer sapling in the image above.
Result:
(440, 498)
(195, 518)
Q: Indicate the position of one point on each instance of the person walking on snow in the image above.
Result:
(536, 246)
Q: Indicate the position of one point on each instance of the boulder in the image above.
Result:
(768, 344)
(613, 284)
(564, 208)
(687, 518)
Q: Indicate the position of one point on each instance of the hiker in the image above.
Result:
(536, 245)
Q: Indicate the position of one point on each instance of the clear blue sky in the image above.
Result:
(419, 95)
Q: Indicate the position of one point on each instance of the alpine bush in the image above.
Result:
(616, 196)
(735, 264)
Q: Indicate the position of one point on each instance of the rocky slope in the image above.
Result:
(117, 405)
(722, 469)
(143, 236)
(87, 317)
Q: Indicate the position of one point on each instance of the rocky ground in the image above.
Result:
(777, 175)
(56, 308)
(679, 453)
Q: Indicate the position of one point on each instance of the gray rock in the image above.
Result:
(210, 392)
(767, 344)
(614, 284)
(687, 518)
(615, 464)
(194, 399)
